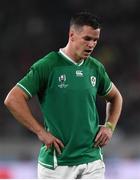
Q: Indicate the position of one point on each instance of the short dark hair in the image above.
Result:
(85, 18)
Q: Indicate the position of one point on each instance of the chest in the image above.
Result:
(73, 78)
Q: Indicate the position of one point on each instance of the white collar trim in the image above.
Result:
(71, 60)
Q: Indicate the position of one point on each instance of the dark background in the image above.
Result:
(29, 29)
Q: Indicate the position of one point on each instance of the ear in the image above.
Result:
(71, 35)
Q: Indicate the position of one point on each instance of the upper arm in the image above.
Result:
(104, 82)
(36, 79)
(114, 93)
(16, 93)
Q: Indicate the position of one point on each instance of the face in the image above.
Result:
(84, 41)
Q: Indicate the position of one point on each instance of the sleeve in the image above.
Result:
(105, 84)
(34, 80)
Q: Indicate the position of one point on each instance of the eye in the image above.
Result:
(95, 40)
(87, 38)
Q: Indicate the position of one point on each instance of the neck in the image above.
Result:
(70, 53)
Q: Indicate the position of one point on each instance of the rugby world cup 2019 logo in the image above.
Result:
(62, 79)
(93, 80)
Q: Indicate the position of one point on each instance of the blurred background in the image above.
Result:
(29, 29)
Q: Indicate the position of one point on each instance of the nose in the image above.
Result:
(92, 44)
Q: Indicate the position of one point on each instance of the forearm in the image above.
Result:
(113, 109)
(17, 104)
(24, 116)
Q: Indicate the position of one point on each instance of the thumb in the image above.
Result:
(98, 136)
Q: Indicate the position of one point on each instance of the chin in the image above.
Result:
(85, 57)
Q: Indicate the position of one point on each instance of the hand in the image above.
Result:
(103, 137)
(50, 140)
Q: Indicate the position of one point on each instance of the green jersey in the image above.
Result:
(67, 95)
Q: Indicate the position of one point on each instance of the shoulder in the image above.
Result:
(47, 61)
(93, 62)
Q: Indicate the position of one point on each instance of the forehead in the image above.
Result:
(88, 31)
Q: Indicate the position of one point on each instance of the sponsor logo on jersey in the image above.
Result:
(79, 73)
(62, 79)
(93, 80)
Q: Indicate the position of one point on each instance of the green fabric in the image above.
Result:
(67, 95)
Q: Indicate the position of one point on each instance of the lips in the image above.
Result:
(88, 51)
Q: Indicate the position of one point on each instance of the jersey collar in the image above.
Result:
(71, 60)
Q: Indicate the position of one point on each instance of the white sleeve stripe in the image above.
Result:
(55, 159)
(24, 89)
(49, 165)
(109, 89)
(100, 152)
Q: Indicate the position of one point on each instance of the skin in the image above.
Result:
(80, 40)
(17, 103)
(113, 110)
(83, 39)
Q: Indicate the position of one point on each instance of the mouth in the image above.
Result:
(88, 51)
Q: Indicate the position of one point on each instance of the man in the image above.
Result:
(67, 83)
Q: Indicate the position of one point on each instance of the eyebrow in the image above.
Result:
(89, 37)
